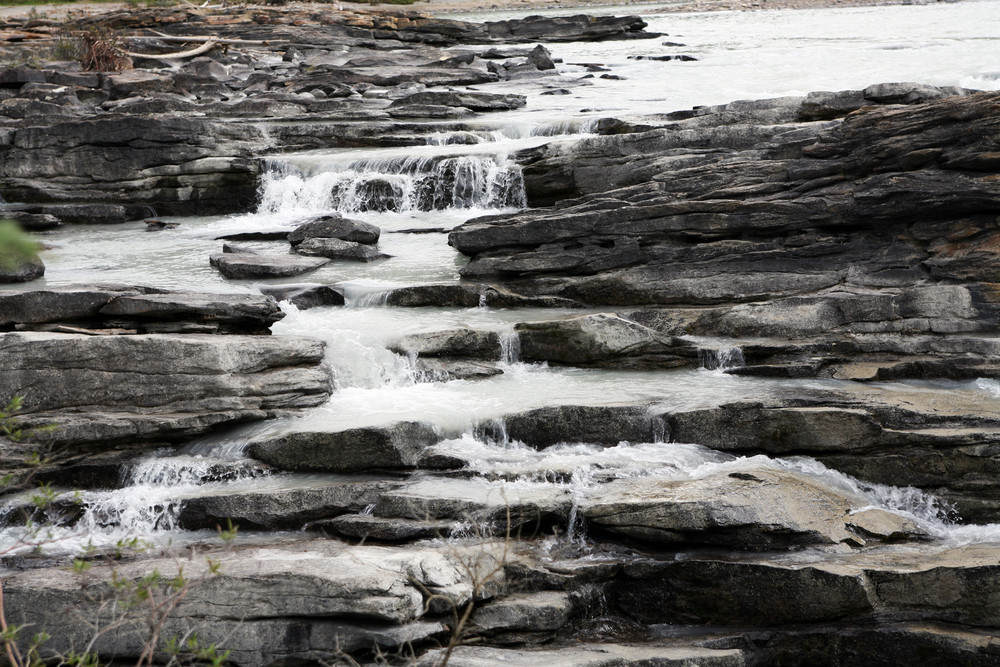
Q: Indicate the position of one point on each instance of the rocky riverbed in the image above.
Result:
(714, 386)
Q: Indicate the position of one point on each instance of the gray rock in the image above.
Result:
(607, 425)
(756, 508)
(338, 249)
(460, 343)
(354, 450)
(541, 58)
(335, 227)
(21, 270)
(265, 604)
(109, 389)
(306, 296)
(532, 612)
(139, 308)
(591, 655)
(385, 529)
(469, 100)
(249, 267)
(603, 340)
(293, 508)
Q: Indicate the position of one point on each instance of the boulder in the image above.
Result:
(606, 425)
(21, 270)
(392, 447)
(335, 227)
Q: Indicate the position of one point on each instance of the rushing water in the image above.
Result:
(459, 175)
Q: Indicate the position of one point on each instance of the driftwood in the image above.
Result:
(204, 48)
(210, 42)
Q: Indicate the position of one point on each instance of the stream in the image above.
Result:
(467, 173)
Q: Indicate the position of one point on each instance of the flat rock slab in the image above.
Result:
(602, 340)
(242, 266)
(99, 388)
(475, 501)
(930, 583)
(146, 310)
(339, 249)
(545, 611)
(592, 655)
(292, 508)
(355, 450)
(754, 508)
(325, 590)
(462, 343)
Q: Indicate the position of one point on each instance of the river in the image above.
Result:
(738, 56)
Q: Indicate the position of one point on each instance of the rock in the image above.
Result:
(541, 58)
(335, 227)
(446, 370)
(601, 340)
(367, 527)
(665, 216)
(354, 450)
(266, 593)
(533, 612)
(337, 249)
(33, 222)
(568, 28)
(135, 389)
(756, 508)
(948, 585)
(469, 100)
(141, 309)
(591, 655)
(278, 509)
(21, 270)
(306, 296)
(229, 313)
(484, 505)
(249, 267)
(460, 343)
(607, 425)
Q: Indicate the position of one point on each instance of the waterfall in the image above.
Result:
(721, 359)
(395, 184)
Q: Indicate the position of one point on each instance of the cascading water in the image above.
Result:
(398, 184)
(456, 176)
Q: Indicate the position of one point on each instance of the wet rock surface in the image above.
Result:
(157, 387)
(826, 262)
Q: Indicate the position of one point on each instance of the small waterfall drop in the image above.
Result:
(721, 359)
(395, 184)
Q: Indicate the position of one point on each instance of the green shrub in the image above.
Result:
(16, 247)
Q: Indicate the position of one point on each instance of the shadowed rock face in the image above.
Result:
(887, 198)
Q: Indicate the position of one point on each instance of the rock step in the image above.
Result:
(591, 655)
(109, 390)
(138, 309)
